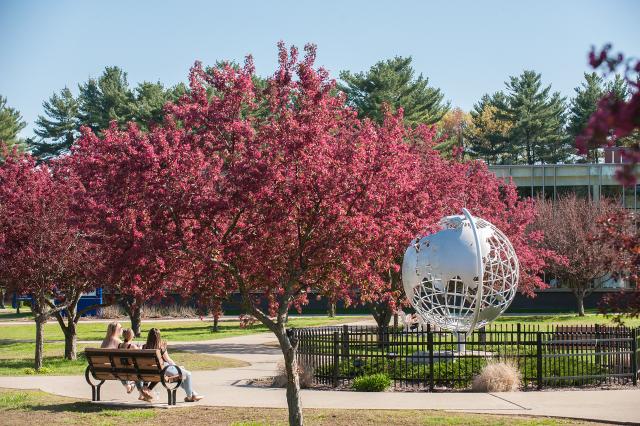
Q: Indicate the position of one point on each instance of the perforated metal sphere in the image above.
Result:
(440, 274)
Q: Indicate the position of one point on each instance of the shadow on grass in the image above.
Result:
(82, 407)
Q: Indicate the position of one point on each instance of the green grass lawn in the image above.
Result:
(36, 407)
(17, 347)
(11, 315)
(174, 331)
(16, 359)
(564, 319)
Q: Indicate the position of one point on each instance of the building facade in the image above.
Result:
(592, 181)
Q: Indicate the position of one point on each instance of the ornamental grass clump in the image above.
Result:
(371, 383)
(305, 375)
(497, 376)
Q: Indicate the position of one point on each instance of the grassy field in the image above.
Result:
(178, 331)
(35, 407)
(17, 347)
(175, 331)
(11, 315)
(16, 359)
(564, 319)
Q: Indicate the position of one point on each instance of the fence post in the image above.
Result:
(539, 358)
(634, 355)
(345, 342)
(336, 357)
(519, 331)
(430, 348)
(597, 345)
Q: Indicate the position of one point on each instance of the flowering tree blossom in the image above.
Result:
(125, 178)
(42, 251)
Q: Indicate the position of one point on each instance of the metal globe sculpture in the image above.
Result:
(462, 277)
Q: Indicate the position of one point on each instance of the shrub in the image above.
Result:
(150, 311)
(32, 371)
(112, 312)
(305, 375)
(372, 383)
(497, 376)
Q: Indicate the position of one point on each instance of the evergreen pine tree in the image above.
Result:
(11, 123)
(393, 82)
(585, 103)
(99, 102)
(106, 99)
(487, 136)
(537, 120)
(150, 98)
(58, 127)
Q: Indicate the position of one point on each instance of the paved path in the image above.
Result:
(228, 387)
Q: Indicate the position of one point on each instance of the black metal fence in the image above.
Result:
(553, 356)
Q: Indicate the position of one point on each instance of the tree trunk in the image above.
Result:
(332, 309)
(2, 292)
(70, 341)
(382, 314)
(40, 321)
(293, 382)
(135, 314)
(216, 318)
(580, 303)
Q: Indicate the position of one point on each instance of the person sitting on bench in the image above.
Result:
(154, 341)
(112, 341)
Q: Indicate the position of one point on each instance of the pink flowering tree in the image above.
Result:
(43, 253)
(268, 191)
(126, 178)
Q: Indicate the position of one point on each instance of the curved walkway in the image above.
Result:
(227, 387)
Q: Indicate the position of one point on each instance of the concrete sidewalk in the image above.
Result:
(228, 387)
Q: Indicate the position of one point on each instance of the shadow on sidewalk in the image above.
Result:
(228, 348)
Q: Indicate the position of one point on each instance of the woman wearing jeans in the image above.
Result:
(155, 342)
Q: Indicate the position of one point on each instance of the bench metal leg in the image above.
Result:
(95, 392)
(171, 396)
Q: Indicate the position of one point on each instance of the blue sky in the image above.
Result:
(467, 48)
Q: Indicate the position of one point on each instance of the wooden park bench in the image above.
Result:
(131, 365)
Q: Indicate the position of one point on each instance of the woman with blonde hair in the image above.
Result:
(112, 341)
